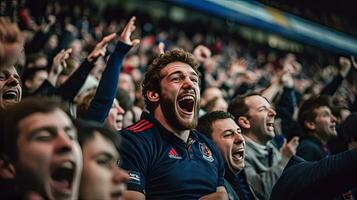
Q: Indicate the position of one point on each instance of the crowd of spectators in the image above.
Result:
(96, 63)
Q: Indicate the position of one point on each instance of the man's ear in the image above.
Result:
(310, 125)
(243, 122)
(153, 96)
(7, 171)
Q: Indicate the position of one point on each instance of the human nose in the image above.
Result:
(333, 118)
(188, 83)
(120, 176)
(271, 112)
(63, 143)
(12, 81)
(238, 138)
(120, 109)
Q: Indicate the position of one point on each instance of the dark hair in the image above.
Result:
(14, 114)
(238, 106)
(205, 122)
(87, 129)
(307, 111)
(30, 73)
(153, 76)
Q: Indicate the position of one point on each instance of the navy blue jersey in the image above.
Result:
(162, 166)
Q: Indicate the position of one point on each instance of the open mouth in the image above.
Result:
(186, 104)
(62, 177)
(238, 154)
(116, 195)
(270, 126)
(10, 95)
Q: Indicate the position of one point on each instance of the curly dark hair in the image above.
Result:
(153, 76)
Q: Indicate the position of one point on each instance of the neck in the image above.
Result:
(182, 134)
(255, 138)
(322, 139)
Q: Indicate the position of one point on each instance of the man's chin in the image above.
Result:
(6, 104)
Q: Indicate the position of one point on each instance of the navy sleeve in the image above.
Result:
(69, 89)
(220, 171)
(308, 151)
(134, 159)
(107, 89)
(323, 179)
(332, 87)
(46, 88)
(285, 108)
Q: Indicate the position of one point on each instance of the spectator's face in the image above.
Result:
(10, 89)
(128, 118)
(325, 122)
(220, 104)
(37, 80)
(48, 159)
(115, 117)
(180, 95)
(126, 83)
(101, 178)
(227, 136)
(261, 117)
(209, 94)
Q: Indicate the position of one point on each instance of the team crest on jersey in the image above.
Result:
(206, 152)
(174, 154)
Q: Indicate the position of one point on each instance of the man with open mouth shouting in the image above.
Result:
(264, 163)
(165, 158)
(10, 88)
(227, 136)
(41, 144)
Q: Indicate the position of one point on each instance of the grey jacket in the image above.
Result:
(262, 169)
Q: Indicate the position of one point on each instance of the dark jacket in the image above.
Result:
(325, 179)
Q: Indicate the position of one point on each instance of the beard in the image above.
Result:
(171, 114)
(31, 181)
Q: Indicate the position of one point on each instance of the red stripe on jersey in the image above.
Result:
(137, 125)
(143, 128)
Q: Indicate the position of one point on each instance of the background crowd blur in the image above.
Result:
(306, 49)
(242, 57)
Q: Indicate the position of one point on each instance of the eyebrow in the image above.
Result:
(32, 133)
(106, 154)
(50, 129)
(181, 73)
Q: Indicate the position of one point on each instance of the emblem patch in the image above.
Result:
(206, 152)
(134, 177)
(174, 154)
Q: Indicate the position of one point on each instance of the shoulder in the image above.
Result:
(308, 143)
(143, 131)
(142, 127)
(204, 139)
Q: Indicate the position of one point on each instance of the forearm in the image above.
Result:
(332, 87)
(107, 88)
(70, 88)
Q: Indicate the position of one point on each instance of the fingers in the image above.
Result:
(106, 40)
(161, 47)
(135, 42)
(62, 55)
(67, 53)
(128, 30)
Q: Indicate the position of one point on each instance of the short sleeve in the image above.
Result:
(134, 160)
